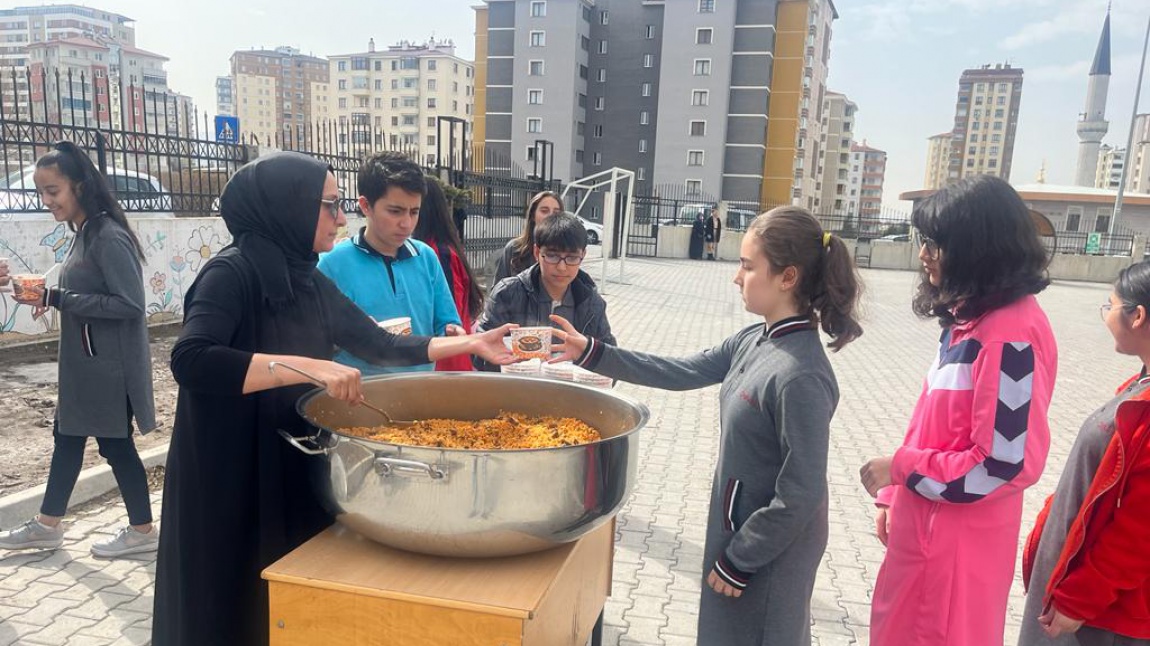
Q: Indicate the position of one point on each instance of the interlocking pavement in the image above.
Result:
(671, 307)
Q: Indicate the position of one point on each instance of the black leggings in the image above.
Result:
(120, 452)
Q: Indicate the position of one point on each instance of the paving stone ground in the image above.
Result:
(670, 307)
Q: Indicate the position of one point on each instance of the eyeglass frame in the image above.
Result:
(565, 259)
(1106, 307)
(334, 206)
(933, 251)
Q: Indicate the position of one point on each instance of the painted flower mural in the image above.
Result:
(159, 283)
(202, 245)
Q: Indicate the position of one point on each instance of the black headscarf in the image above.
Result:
(271, 207)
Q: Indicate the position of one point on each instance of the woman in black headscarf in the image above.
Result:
(698, 237)
(237, 497)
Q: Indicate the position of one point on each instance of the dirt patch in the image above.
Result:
(27, 403)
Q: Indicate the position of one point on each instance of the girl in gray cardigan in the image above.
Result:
(105, 364)
(767, 525)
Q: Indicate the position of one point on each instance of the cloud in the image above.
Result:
(1080, 19)
(1076, 71)
(893, 18)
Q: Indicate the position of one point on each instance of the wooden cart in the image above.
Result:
(340, 588)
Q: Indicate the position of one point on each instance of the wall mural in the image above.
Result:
(176, 249)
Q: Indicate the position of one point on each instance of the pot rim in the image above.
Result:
(640, 407)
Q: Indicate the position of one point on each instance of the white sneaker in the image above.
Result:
(128, 541)
(33, 535)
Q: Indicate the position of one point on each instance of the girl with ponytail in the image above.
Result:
(767, 525)
(105, 364)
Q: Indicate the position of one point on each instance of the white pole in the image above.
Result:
(608, 242)
(628, 220)
(1130, 135)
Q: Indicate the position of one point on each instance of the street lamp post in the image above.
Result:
(1130, 136)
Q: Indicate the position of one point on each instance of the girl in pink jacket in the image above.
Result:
(950, 498)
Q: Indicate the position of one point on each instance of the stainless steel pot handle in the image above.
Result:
(298, 442)
(387, 466)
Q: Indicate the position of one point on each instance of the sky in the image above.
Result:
(899, 60)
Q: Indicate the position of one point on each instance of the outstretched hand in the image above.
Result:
(489, 345)
(573, 343)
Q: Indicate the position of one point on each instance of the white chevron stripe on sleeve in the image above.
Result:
(1015, 393)
(1005, 450)
(930, 489)
(979, 482)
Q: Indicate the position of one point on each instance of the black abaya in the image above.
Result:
(698, 235)
(237, 497)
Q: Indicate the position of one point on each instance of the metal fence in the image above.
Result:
(160, 156)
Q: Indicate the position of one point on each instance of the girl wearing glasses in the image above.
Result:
(950, 498)
(236, 496)
(767, 526)
(1087, 561)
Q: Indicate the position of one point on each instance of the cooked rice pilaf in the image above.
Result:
(507, 431)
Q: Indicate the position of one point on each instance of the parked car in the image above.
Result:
(897, 237)
(594, 230)
(140, 194)
(740, 219)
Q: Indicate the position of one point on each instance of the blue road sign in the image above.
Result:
(227, 130)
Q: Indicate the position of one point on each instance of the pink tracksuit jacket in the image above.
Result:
(978, 437)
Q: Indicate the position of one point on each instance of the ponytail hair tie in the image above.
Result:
(827, 240)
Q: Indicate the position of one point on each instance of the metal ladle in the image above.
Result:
(323, 384)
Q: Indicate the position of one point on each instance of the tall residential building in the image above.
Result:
(123, 86)
(406, 91)
(985, 122)
(225, 96)
(1108, 173)
(1092, 125)
(938, 160)
(680, 92)
(278, 93)
(1138, 178)
(22, 27)
(872, 164)
(834, 168)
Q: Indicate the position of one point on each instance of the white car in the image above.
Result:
(594, 230)
(140, 195)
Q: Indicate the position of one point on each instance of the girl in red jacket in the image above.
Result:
(1087, 561)
(437, 229)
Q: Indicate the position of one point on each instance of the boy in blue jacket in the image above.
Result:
(382, 269)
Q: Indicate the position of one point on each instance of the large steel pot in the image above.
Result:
(453, 502)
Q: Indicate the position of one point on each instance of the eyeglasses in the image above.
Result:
(932, 249)
(555, 259)
(334, 206)
(1105, 308)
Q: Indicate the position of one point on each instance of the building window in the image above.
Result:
(694, 186)
(650, 32)
(703, 68)
(535, 68)
(646, 89)
(411, 102)
(535, 97)
(1002, 87)
(535, 125)
(602, 17)
(698, 129)
(600, 103)
(597, 158)
(706, 6)
(644, 118)
(700, 97)
(703, 36)
(411, 83)
(642, 145)
(602, 75)
(431, 122)
(342, 84)
(538, 38)
(585, 43)
(431, 104)
(430, 140)
(694, 158)
(538, 9)
(598, 132)
(341, 66)
(602, 47)
(409, 120)
(998, 125)
(395, 84)
(583, 72)
(378, 103)
(1073, 218)
(582, 100)
(432, 86)
(641, 174)
(648, 60)
(1000, 100)
(343, 104)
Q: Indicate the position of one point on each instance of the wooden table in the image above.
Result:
(340, 588)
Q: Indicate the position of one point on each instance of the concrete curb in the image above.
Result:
(94, 482)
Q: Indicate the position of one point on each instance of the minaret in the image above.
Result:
(1093, 125)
